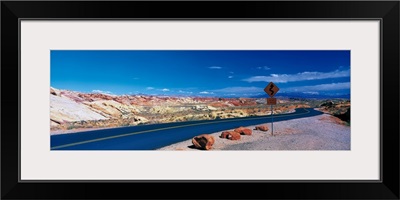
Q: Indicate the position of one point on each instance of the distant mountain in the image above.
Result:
(305, 95)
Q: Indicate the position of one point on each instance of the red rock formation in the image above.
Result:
(262, 128)
(243, 131)
(204, 141)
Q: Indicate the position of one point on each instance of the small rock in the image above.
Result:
(262, 128)
(204, 141)
(224, 134)
(243, 131)
(231, 135)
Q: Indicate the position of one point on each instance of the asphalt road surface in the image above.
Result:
(150, 137)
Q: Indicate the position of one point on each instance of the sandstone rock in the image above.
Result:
(232, 135)
(262, 128)
(55, 92)
(204, 141)
(63, 109)
(243, 131)
(54, 124)
(112, 108)
(224, 134)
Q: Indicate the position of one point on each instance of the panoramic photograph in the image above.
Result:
(200, 100)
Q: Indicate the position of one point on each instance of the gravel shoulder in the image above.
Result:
(323, 132)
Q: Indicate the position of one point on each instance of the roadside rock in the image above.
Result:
(231, 135)
(262, 128)
(204, 141)
(243, 131)
(224, 134)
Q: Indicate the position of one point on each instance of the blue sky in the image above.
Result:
(230, 73)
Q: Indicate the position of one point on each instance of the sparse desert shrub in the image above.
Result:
(71, 126)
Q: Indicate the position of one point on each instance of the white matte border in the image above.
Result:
(41, 36)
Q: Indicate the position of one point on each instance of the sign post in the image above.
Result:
(272, 121)
(271, 90)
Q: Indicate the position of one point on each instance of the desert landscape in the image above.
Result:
(194, 95)
(72, 111)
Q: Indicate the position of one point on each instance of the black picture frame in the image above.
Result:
(386, 11)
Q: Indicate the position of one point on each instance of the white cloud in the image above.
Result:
(135, 92)
(101, 92)
(314, 93)
(231, 72)
(165, 90)
(303, 76)
(230, 76)
(184, 92)
(264, 68)
(239, 90)
(322, 87)
(149, 88)
(215, 67)
(135, 78)
(205, 92)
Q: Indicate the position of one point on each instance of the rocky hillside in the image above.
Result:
(337, 108)
(74, 111)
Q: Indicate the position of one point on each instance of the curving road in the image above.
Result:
(149, 137)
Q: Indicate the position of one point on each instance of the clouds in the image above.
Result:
(184, 92)
(101, 92)
(303, 76)
(205, 92)
(218, 67)
(239, 90)
(264, 68)
(318, 88)
(163, 90)
(313, 93)
(310, 89)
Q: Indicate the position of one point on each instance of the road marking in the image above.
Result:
(172, 127)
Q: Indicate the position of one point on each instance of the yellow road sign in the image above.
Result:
(271, 89)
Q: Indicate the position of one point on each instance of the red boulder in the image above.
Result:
(224, 134)
(204, 141)
(232, 135)
(262, 128)
(243, 131)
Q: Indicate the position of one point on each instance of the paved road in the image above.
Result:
(149, 137)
